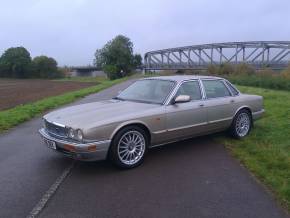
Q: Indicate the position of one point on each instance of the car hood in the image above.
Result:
(98, 113)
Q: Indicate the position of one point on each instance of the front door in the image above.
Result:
(186, 119)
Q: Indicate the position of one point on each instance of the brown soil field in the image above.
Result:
(14, 92)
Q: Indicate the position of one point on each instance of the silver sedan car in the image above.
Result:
(150, 112)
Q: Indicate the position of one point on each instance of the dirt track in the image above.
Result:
(14, 91)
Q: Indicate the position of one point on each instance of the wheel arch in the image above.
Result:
(244, 107)
(132, 123)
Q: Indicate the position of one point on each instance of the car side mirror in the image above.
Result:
(181, 99)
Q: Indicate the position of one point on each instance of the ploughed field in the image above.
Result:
(14, 92)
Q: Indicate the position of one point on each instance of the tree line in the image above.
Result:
(16, 62)
(116, 59)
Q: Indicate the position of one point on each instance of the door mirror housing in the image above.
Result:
(181, 99)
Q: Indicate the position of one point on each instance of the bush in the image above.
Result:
(266, 72)
(244, 69)
(286, 73)
(271, 82)
(45, 67)
(213, 69)
(64, 71)
(244, 74)
(225, 69)
(112, 72)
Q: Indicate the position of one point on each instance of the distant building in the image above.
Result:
(88, 71)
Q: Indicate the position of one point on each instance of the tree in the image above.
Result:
(137, 60)
(118, 55)
(15, 62)
(45, 67)
(111, 71)
(225, 69)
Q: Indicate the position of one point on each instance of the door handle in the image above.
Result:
(232, 101)
(201, 105)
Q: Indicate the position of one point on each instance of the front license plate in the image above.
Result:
(49, 143)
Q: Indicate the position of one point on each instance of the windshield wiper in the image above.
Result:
(118, 98)
(143, 101)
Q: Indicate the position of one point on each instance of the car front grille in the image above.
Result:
(55, 129)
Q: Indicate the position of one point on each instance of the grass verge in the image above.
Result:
(266, 151)
(12, 117)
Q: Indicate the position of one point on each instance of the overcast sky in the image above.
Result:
(71, 30)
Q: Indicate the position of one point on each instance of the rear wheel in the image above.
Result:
(241, 124)
(128, 147)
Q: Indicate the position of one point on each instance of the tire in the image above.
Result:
(241, 125)
(129, 147)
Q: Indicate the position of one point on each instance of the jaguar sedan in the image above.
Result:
(150, 112)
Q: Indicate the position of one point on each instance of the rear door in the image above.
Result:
(219, 103)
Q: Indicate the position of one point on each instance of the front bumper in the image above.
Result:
(86, 152)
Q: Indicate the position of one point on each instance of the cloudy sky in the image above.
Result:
(71, 30)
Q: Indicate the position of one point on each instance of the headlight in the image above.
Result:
(75, 134)
(79, 135)
(43, 123)
(71, 133)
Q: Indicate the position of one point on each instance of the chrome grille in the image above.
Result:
(55, 129)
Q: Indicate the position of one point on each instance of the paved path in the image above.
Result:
(193, 178)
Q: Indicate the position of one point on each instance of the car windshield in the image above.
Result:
(148, 91)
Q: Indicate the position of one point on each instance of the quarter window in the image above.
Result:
(232, 88)
(190, 88)
(215, 89)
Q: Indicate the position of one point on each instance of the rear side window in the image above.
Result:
(232, 88)
(215, 89)
(190, 88)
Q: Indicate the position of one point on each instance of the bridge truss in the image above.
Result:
(273, 54)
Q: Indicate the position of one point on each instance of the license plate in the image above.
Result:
(50, 144)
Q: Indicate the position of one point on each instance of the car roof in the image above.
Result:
(180, 78)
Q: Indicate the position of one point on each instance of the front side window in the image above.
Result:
(190, 88)
(148, 91)
(215, 89)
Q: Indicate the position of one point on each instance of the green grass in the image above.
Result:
(266, 151)
(12, 117)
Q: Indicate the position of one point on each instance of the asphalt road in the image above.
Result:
(193, 178)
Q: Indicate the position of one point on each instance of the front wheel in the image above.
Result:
(128, 147)
(241, 124)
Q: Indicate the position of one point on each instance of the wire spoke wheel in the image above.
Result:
(243, 123)
(131, 147)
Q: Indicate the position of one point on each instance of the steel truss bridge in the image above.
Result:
(260, 54)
